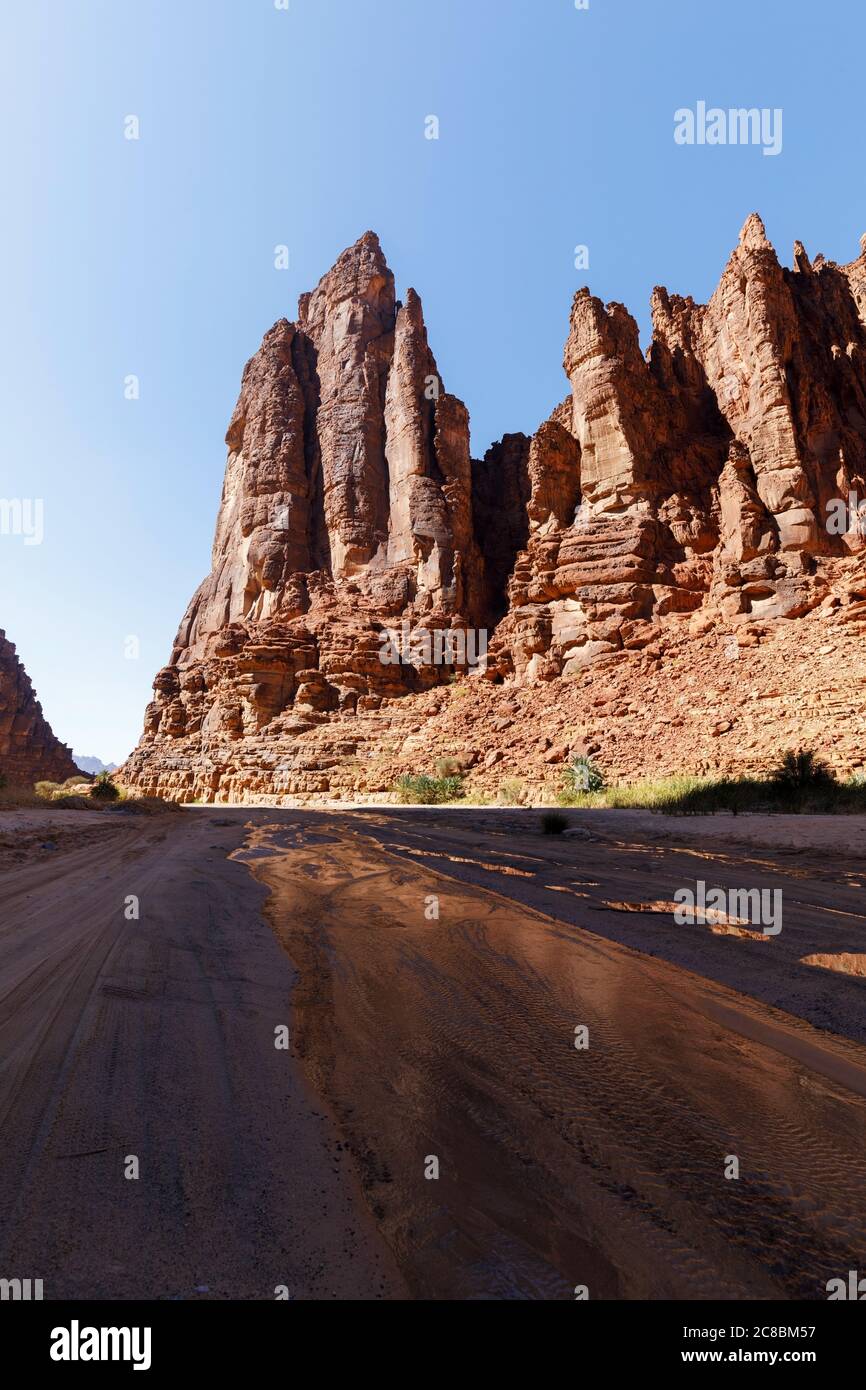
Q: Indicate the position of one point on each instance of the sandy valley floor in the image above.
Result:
(434, 968)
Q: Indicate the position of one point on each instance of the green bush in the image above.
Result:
(583, 775)
(703, 796)
(659, 794)
(419, 789)
(46, 789)
(104, 789)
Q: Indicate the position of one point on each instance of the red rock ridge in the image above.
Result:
(29, 752)
(671, 495)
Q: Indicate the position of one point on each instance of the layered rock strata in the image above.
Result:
(29, 751)
(674, 496)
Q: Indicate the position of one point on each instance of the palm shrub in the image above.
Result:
(801, 771)
(419, 789)
(104, 789)
(583, 775)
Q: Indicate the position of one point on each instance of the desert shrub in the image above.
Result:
(46, 789)
(583, 775)
(422, 790)
(78, 781)
(554, 823)
(151, 806)
(103, 788)
(511, 792)
(448, 767)
(476, 798)
(706, 796)
(801, 771)
(19, 798)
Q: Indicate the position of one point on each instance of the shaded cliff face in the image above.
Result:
(682, 491)
(29, 752)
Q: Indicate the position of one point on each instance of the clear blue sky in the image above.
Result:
(306, 127)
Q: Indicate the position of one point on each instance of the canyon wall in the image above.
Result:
(29, 752)
(673, 500)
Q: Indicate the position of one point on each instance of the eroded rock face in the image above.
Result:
(346, 514)
(682, 491)
(29, 752)
(706, 468)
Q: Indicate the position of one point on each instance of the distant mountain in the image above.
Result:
(93, 765)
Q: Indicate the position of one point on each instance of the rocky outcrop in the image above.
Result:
(674, 494)
(346, 518)
(29, 752)
(707, 468)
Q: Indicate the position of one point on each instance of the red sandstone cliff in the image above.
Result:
(671, 499)
(29, 752)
